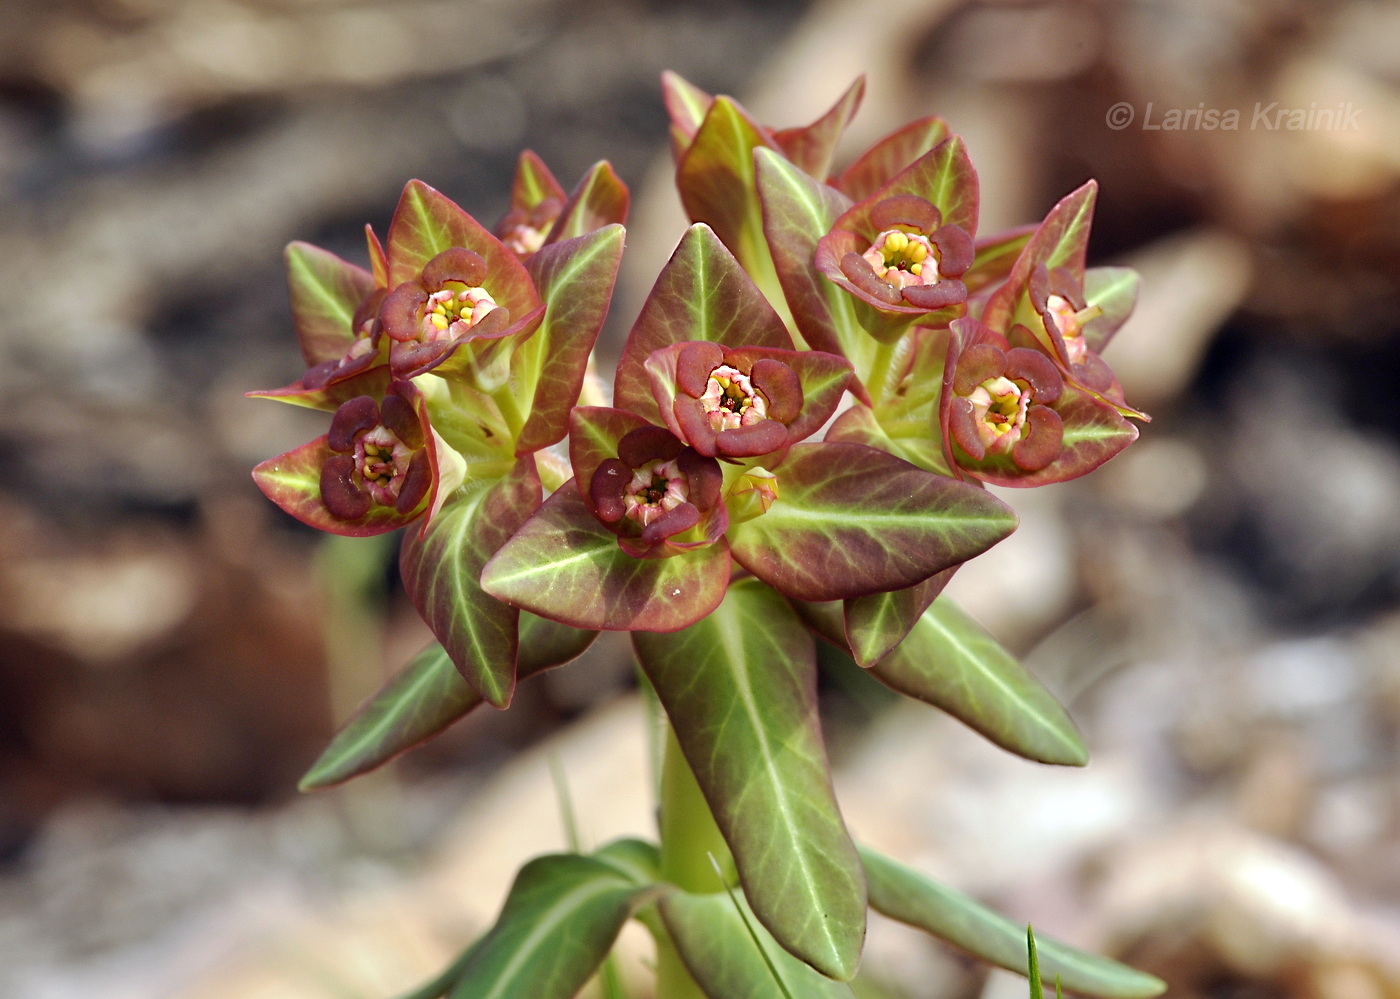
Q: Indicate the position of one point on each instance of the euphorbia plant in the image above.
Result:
(823, 377)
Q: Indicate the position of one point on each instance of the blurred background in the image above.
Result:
(1218, 605)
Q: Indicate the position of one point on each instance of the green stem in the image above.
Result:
(689, 838)
(877, 383)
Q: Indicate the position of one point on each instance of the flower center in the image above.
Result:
(1070, 323)
(731, 401)
(903, 259)
(656, 487)
(381, 459)
(999, 406)
(454, 309)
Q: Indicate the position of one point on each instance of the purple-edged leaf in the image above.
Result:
(740, 690)
(575, 277)
(325, 291)
(889, 156)
(293, 482)
(811, 147)
(797, 212)
(949, 661)
(441, 569)
(594, 433)
(875, 624)
(1061, 240)
(329, 398)
(943, 176)
(600, 199)
(904, 894)
(424, 698)
(721, 954)
(426, 222)
(851, 520)
(565, 565)
(559, 922)
(716, 182)
(994, 256)
(1115, 291)
(686, 104)
(1094, 431)
(701, 294)
(533, 182)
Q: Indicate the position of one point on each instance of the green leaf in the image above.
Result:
(877, 623)
(811, 147)
(558, 924)
(995, 256)
(722, 956)
(427, 696)
(740, 689)
(910, 897)
(686, 105)
(851, 520)
(716, 181)
(797, 212)
(1115, 291)
(948, 660)
(575, 278)
(944, 176)
(533, 182)
(890, 155)
(1061, 240)
(600, 199)
(441, 569)
(564, 564)
(701, 294)
(634, 858)
(325, 291)
(373, 381)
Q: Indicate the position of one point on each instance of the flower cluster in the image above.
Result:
(863, 303)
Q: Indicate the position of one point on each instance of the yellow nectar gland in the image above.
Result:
(1000, 407)
(903, 259)
(454, 309)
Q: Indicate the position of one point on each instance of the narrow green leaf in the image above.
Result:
(948, 660)
(701, 294)
(717, 949)
(634, 858)
(325, 291)
(441, 569)
(558, 924)
(910, 897)
(877, 623)
(563, 564)
(442, 984)
(716, 181)
(740, 689)
(851, 520)
(427, 696)
(575, 278)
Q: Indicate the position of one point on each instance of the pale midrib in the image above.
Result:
(543, 927)
(411, 694)
(734, 649)
(976, 663)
